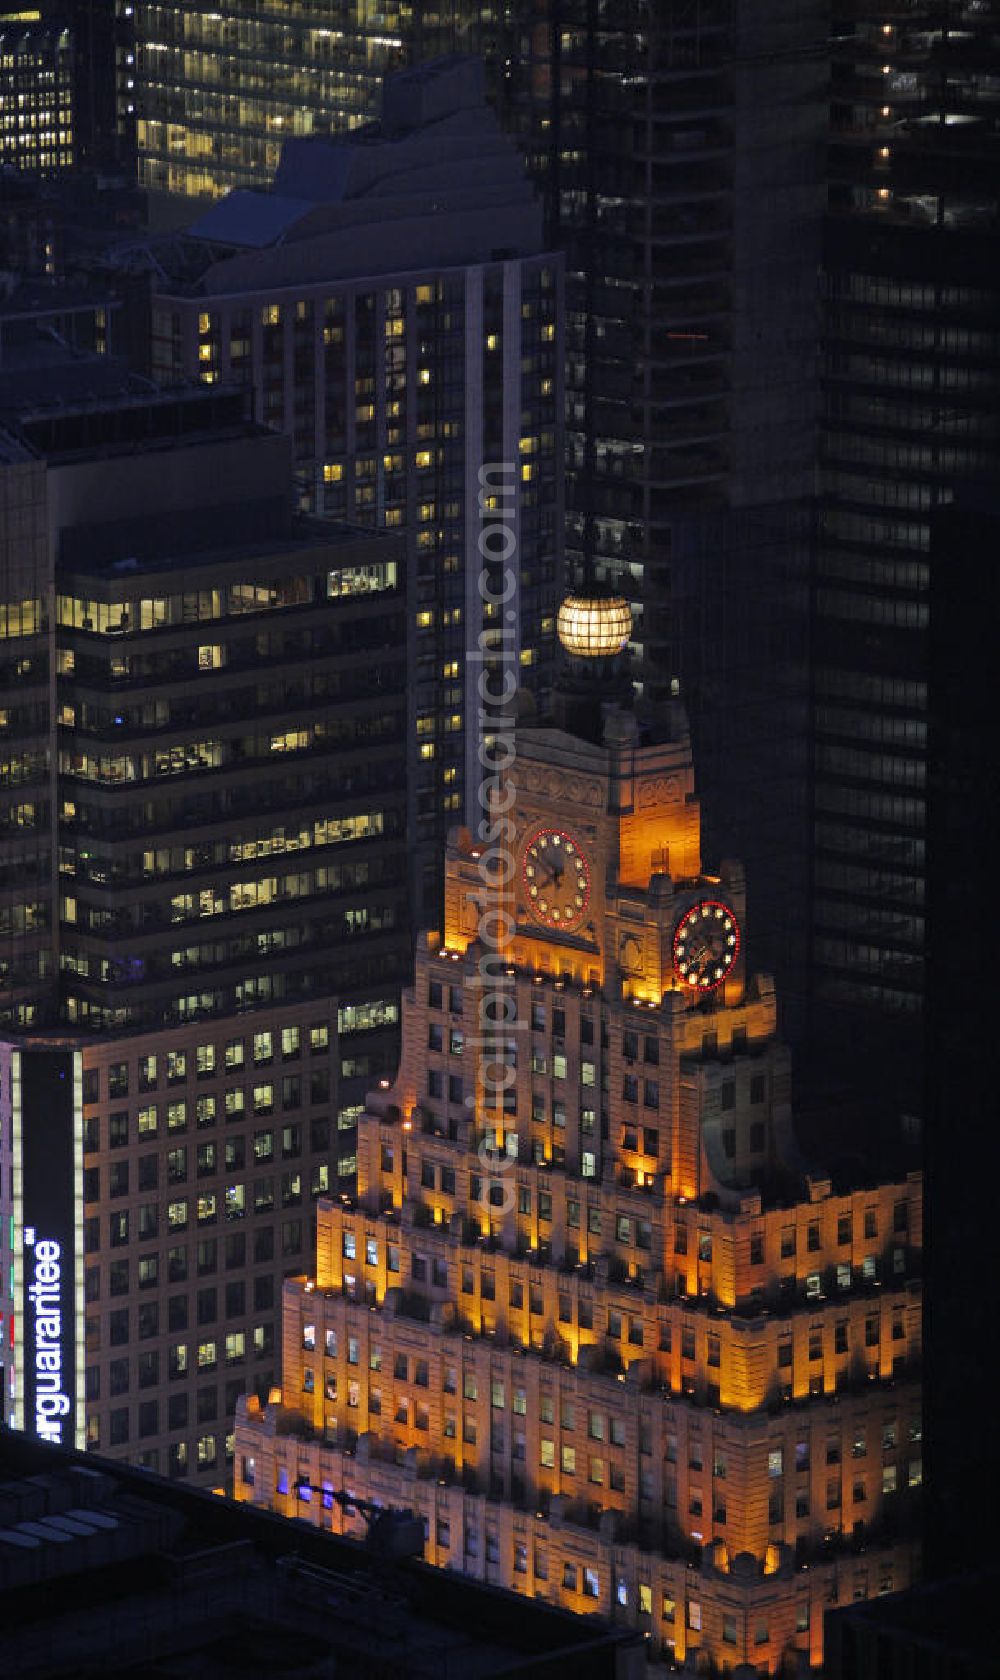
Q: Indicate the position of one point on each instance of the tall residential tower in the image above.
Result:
(392, 307)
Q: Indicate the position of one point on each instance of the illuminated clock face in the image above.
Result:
(706, 944)
(556, 878)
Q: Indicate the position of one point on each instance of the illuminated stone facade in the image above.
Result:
(641, 1361)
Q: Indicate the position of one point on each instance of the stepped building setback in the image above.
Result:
(589, 1313)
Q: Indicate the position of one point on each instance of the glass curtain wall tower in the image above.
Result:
(219, 87)
(911, 392)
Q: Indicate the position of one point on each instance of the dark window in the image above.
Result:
(149, 1320)
(148, 1369)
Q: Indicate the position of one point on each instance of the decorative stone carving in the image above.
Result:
(665, 790)
(630, 955)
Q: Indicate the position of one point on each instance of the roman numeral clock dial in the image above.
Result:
(555, 877)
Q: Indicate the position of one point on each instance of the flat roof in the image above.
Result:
(956, 1616)
(303, 536)
(104, 1563)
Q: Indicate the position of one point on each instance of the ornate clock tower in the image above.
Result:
(590, 1314)
(603, 888)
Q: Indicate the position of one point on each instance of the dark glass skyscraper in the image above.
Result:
(679, 151)
(911, 390)
(677, 148)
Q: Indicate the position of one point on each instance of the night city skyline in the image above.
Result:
(498, 516)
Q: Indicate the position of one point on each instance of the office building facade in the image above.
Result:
(589, 1312)
(204, 903)
(60, 64)
(37, 95)
(911, 386)
(204, 689)
(194, 1158)
(393, 310)
(219, 88)
(677, 152)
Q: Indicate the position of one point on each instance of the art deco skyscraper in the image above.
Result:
(589, 1313)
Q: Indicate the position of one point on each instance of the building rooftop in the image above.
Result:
(108, 1569)
(42, 299)
(251, 219)
(941, 1627)
(97, 555)
(436, 183)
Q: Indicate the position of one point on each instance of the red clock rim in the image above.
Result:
(713, 904)
(564, 834)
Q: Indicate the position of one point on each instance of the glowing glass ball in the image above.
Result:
(594, 627)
